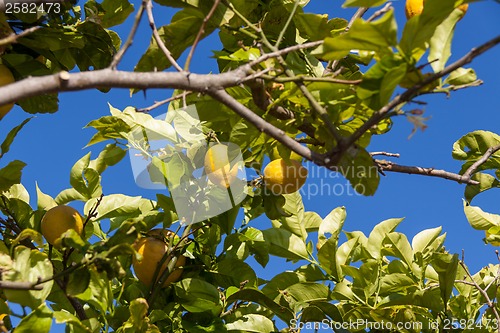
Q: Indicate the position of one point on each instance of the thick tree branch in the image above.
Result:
(415, 170)
(413, 91)
(263, 126)
(107, 78)
(12, 285)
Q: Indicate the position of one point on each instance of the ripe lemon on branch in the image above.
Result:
(284, 176)
(6, 78)
(415, 7)
(218, 166)
(152, 248)
(57, 221)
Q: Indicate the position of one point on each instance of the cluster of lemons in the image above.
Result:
(152, 247)
(280, 176)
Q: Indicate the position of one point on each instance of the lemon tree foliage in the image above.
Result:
(108, 272)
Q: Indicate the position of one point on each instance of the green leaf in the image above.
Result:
(118, 205)
(108, 127)
(98, 50)
(68, 195)
(400, 247)
(327, 247)
(376, 36)
(27, 266)
(109, 156)
(440, 43)
(251, 323)
(18, 191)
(332, 224)
(312, 221)
(394, 283)
(109, 13)
(78, 281)
(363, 3)
(76, 175)
(486, 182)
(424, 239)
(285, 244)
(378, 235)
(419, 29)
(40, 321)
(313, 26)
(99, 292)
(472, 146)
(196, 295)
(5, 146)
(358, 167)
(256, 296)
(44, 201)
(380, 81)
(177, 36)
(343, 291)
(46, 103)
(233, 272)
(11, 174)
(479, 219)
(446, 266)
(64, 317)
(306, 292)
(461, 76)
(294, 222)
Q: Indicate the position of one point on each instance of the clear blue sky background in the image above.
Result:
(50, 144)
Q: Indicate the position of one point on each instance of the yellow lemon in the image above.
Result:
(284, 176)
(58, 220)
(415, 7)
(6, 78)
(153, 248)
(218, 166)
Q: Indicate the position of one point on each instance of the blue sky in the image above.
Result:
(51, 144)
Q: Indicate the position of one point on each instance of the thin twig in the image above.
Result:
(411, 92)
(156, 36)
(380, 12)
(12, 38)
(165, 101)
(358, 14)
(200, 33)
(483, 292)
(323, 114)
(119, 55)
(490, 151)
(416, 170)
(383, 153)
(286, 50)
(300, 78)
(287, 24)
